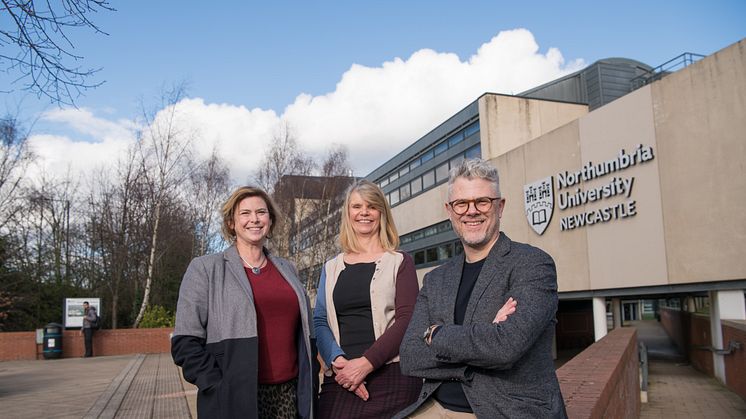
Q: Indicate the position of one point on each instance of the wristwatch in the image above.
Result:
(427, 336)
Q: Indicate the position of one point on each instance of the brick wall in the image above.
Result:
(735, 363)
(699, 335)
(22, 345)
(17, 346)
(677, 324)
(694, 329)
(603, 381)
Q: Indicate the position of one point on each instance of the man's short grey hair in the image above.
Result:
(475, 169)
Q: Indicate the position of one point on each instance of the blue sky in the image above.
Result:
(253, 59)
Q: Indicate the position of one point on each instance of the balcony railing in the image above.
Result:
(664, 69)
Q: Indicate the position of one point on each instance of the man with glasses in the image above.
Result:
(482, 329)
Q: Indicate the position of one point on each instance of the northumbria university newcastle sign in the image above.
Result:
(539, 196)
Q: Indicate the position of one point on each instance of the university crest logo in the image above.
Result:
(539, 202)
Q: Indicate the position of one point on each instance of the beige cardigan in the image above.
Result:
(382, 292)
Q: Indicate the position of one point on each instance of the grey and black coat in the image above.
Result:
(215, 339)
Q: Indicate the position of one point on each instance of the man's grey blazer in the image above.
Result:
(506, 369)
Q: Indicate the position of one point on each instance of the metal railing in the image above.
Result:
(643, 354)
(664, 69)
(732, 346)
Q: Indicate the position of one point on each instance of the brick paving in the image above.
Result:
(150, 386)
(60, 388)
(131, 386)
(679, 391)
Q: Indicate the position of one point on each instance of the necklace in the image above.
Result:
(255, 270)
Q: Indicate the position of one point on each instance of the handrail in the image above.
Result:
(664, 69)
(643, 350)
(732, 345)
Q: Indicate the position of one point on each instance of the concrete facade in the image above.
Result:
(647, 195)
(684, 194)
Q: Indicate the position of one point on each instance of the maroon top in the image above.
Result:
(277, 322)
(386, 346)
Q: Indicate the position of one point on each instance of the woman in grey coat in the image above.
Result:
(242, 332)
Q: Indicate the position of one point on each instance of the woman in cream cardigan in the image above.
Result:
(365, 300)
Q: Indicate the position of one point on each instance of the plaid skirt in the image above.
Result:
(389, 390)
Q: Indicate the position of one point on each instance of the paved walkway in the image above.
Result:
(679, 391)
(150, 386)
(131, 386)
(676, 389)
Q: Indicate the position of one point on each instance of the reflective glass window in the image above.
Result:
(441, 172)
(427, 156)
(473, 152)
(394, 197)
(440, 148)
(404, 192)
(471, 129)
(456, 161)
(445, 251)
(428, 179)
(416, 185)
(456, 138)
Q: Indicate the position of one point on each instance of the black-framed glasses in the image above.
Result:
(482, 204)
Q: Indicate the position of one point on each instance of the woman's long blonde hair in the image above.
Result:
(372, 194)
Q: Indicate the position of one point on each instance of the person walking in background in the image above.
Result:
(365, 299)
(243, 333)
(90, 317)
(477, 360)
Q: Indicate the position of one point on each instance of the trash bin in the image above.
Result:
(52, 341)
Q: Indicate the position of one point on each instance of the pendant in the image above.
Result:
(256, 270)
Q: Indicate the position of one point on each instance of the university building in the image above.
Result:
(631, 177)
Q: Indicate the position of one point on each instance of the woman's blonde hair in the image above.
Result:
(229, 209)
(373, 195)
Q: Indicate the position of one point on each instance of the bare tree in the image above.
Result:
(116, 231)
(208, 188)
(165, 149)
(37, 47)
(283, 157)
(317, 222)
(14, 159)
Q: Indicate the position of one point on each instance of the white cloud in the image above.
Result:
(378, 111)
(374, 111)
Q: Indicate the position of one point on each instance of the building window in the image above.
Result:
(403, 171)
(416, 186)
(415, 163)
(437, 254)
(428, 231)
(428, 179)
(471, 129)
(427, 156)
(440, 148)
(455, 139)
(473, 152)
(394, 197)
(404, 192)
(441, 172)
(454, 162)
(445, 251)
